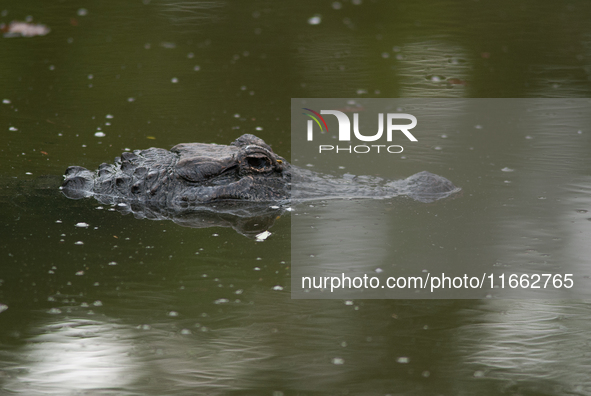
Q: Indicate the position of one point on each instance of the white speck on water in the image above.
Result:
(28, 173)
(79, 243)
(580, 132)
(315, 20)
(90, 76)
(173, 313)
(435, 79)
(529, 137)
(336, 5)
(109, 116)
(215, 235)
(99, 134)
(262, 236)
(236, 115)
(338, 361)
(13, 129)
(190, 55)
(97, 303)
(3, 307)
(82, 12)
(54, 311)
(197, 68)
(479, 373)
(58, 221)
(348, 302)
(174, 80)
(444, 136)
(221, 301)
(379, 270)
(385, 55)
(438, 148)
(478, 126)
(6, 101)
(112, 263)
(403, 359)
(131, 100)
(257, 269)
(122, 205)
(289, 209)
(185, 332)
(274, 207)
(79, 273)
(361, 91)
(505, 169)
(82, 225)
(239, 291)
(259, 128)
(278, 288)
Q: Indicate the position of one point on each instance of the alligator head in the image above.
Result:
(190, 173)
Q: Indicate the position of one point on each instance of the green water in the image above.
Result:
(152, 308)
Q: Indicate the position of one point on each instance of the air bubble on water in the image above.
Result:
(315, 20)
(6, 101)
(13, 129)
(82, 225)
(109, 116)
(78, 243)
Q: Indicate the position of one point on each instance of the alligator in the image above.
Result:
(242, 179)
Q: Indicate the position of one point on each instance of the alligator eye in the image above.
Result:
(258, 163)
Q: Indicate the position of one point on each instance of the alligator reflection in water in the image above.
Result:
(244, 185)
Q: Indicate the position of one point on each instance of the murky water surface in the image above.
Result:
(123, 306)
